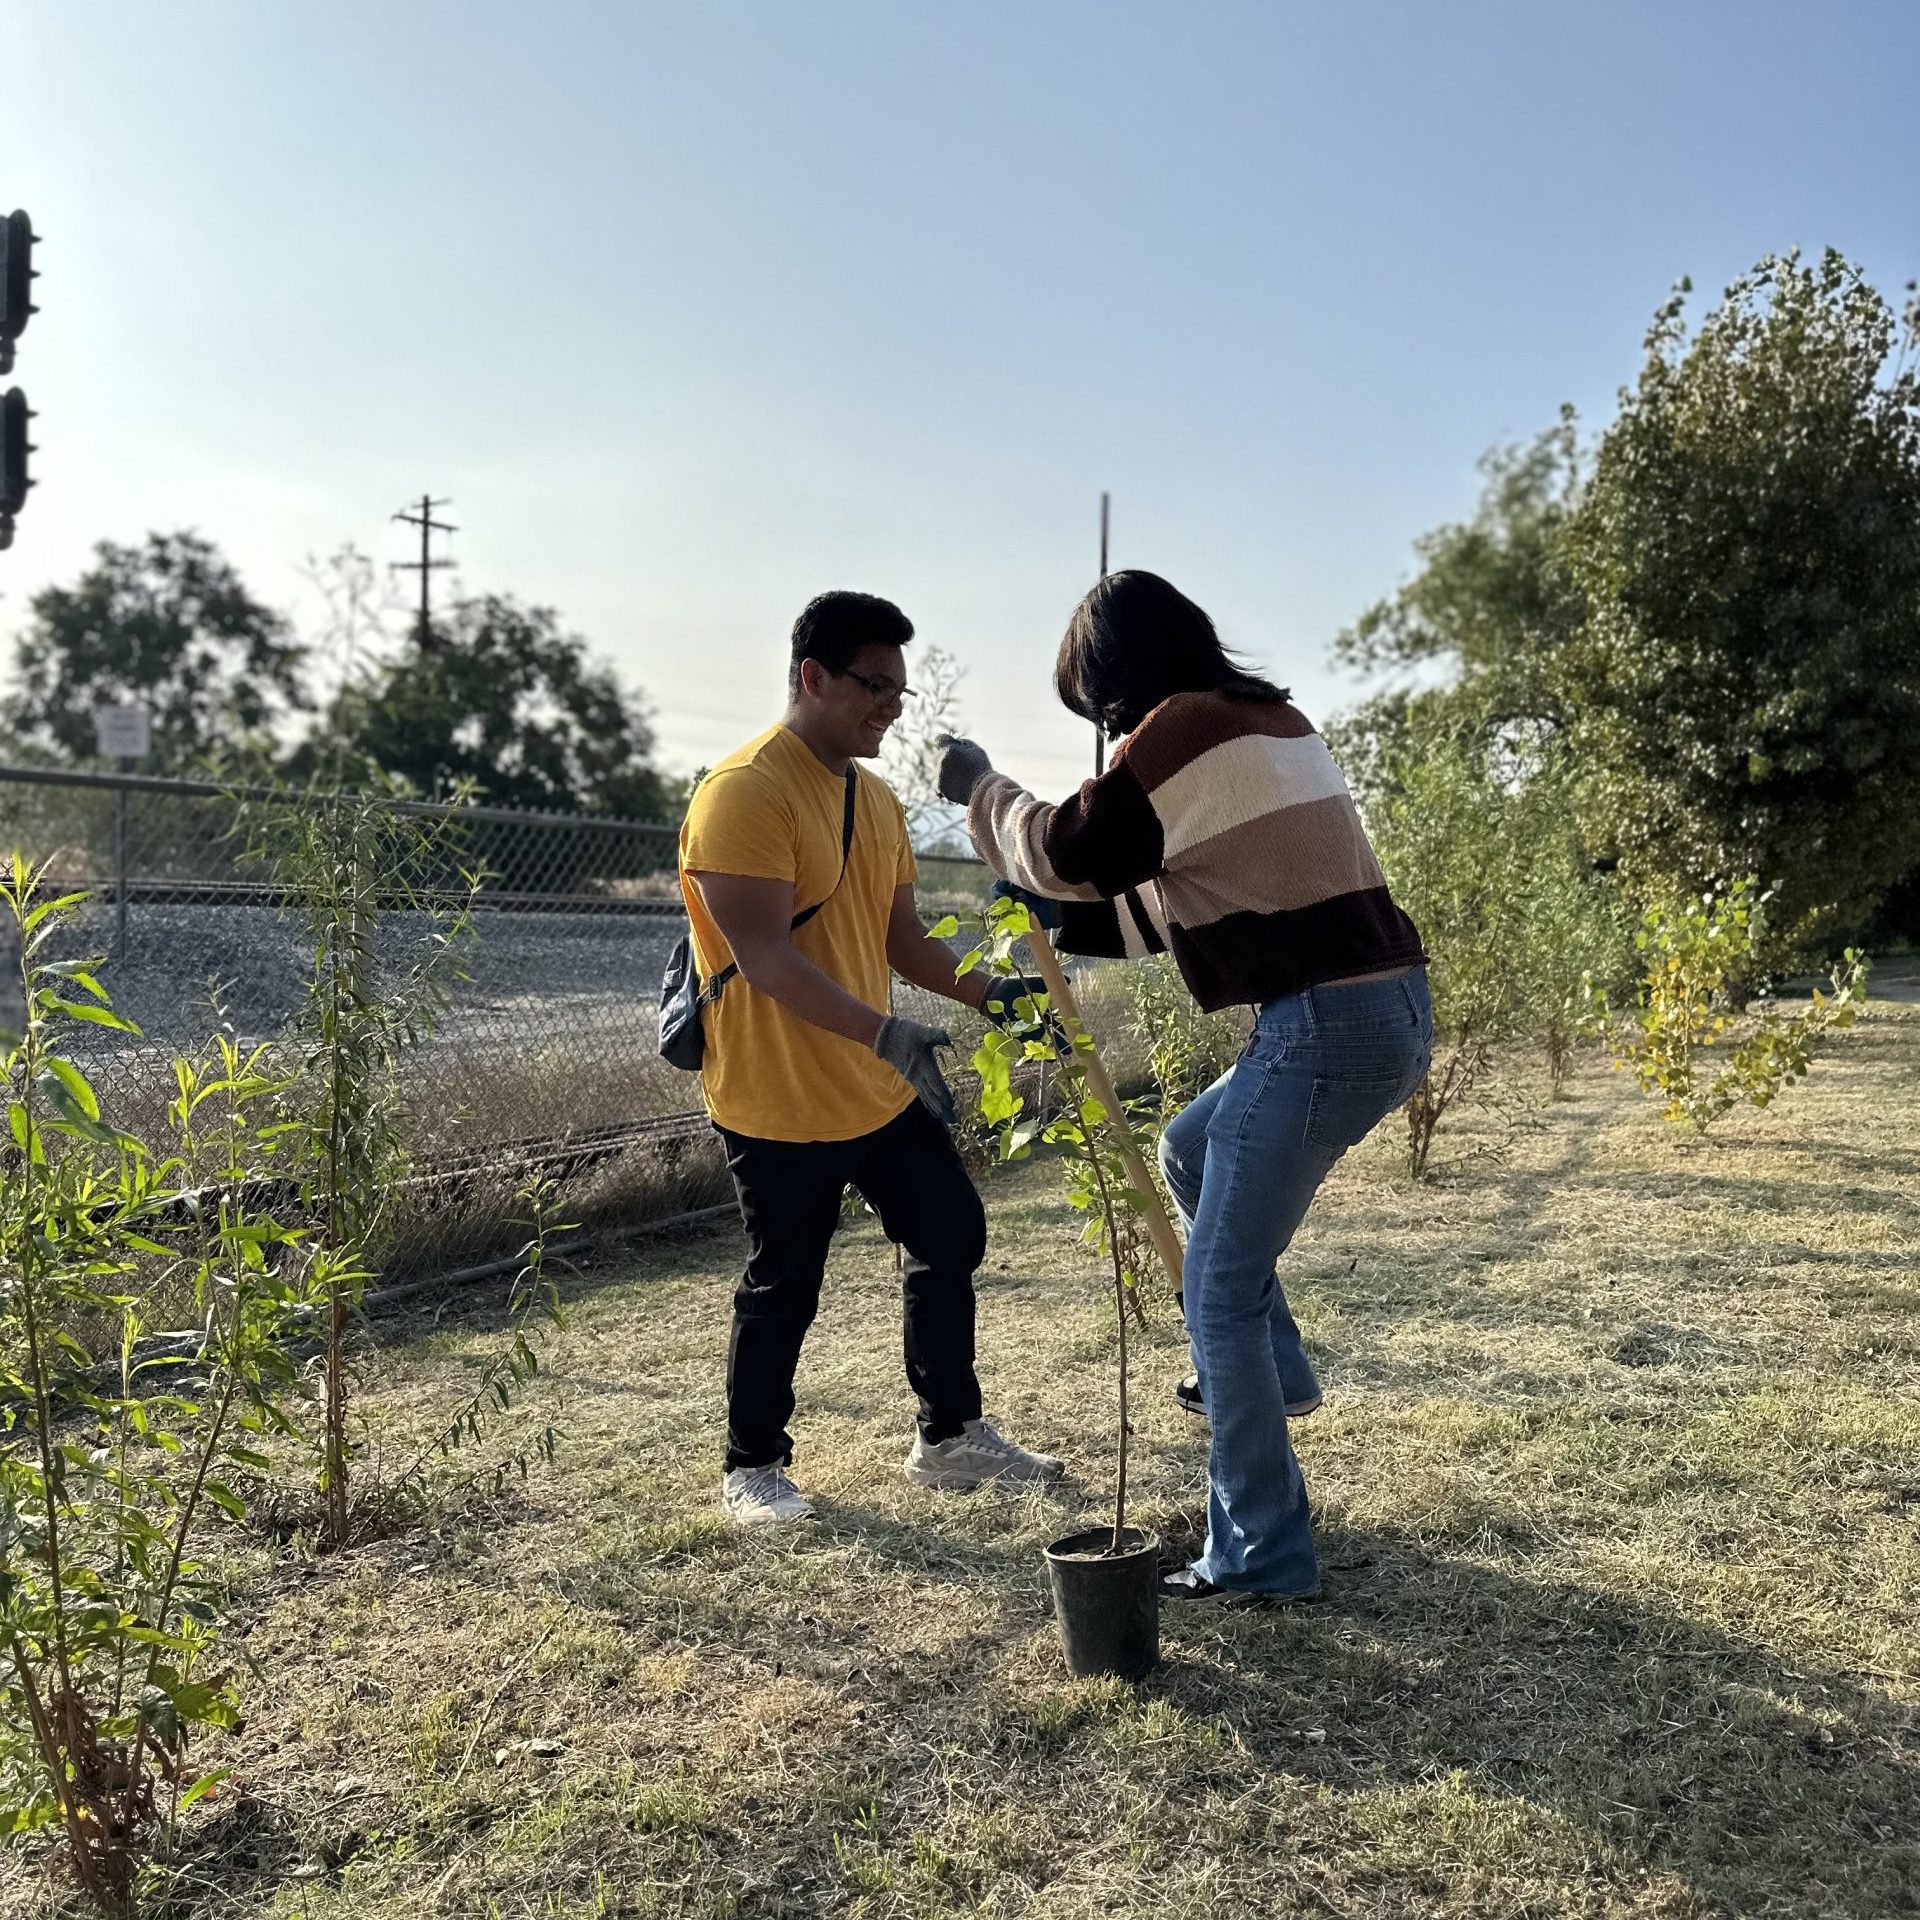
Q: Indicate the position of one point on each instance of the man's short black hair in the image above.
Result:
(833, 627)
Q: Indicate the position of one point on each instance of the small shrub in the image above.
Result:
(1574, 953)
(1187, 1050)
(1473, 822)
(110, 1627)
(533, 1296)
(1695, 950)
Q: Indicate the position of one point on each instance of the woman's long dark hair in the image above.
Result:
(1135, 640)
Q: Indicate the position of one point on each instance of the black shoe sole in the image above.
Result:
(1232, 1597)
(1298, 1411)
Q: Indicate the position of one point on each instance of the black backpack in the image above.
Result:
(683, 1038)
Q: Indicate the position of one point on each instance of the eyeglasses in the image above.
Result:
(880, 689)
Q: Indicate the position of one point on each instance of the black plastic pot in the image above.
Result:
(1108, 1605)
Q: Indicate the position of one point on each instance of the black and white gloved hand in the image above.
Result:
(963, 765)
(1002, 1007)
(1001, 1004)
(908, 1048)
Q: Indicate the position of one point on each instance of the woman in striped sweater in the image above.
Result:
(1224, 833)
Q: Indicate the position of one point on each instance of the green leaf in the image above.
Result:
(205, 1784)
(41, 1811)
(79, 972)
(155, 1637)
(49, 908)
(225, 1499)
(79, 1010)
(26, 1136)
(75, 1082)
(944, 928)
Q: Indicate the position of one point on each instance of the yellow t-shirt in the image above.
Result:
(771, 811)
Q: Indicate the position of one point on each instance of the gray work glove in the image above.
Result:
(963, 765)
(907, 1047)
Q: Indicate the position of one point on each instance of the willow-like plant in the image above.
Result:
(347, 862)
(534, 1296)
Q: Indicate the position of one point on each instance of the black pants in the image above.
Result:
(790, 1193)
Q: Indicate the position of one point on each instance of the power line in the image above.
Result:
(425, 565)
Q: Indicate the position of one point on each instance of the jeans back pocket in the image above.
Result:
(1343, 1110)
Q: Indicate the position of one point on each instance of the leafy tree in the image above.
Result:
(1493, 595)
(1444, 831)
(909, 760)
(1471, 819)
(1719, 608)
(505, 699)
(168, 624)
(345, 861)
(1745, 684)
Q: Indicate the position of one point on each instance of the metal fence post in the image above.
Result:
(13, 1005)
(120, 864)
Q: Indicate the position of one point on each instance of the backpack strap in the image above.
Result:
(711, 991)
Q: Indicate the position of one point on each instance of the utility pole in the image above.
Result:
(1099, 737)
(425, 565)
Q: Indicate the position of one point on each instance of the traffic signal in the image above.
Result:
(16, 283)
(14, 449)
(16, 309)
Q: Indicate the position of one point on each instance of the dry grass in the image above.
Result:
(1618, 1481)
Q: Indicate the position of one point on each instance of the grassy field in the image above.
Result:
(1618, 1485)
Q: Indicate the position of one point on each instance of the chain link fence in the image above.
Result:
(547, 1059)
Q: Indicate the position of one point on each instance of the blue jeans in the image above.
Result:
(1244, 1161)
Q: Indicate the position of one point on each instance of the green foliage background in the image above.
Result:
(1715, 608)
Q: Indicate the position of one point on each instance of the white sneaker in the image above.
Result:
(763, 1497)
(977, 1453)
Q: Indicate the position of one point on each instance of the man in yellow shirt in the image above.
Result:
(811, 1084)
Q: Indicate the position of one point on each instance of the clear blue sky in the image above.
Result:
(698, 308)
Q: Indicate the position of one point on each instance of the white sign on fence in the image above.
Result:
(123, 732)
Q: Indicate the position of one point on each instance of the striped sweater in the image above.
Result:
(1222, 831)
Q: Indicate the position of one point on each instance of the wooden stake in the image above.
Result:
(1166, 1241)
